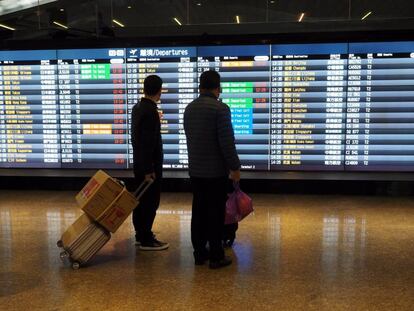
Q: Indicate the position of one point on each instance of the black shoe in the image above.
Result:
(138, 240)
(200, 258)
(200, 261)
(226, 261)
(153, 245)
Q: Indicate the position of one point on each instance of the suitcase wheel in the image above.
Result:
(59, 244)
(228, 243)
(64, 255)
(75, 265)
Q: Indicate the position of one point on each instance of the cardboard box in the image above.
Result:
(113, 217)
(99, 193)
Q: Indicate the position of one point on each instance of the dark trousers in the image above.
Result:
(144, 214)
(207, 222)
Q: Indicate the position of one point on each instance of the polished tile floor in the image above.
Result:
(295, 253)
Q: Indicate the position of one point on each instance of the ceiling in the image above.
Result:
(89, 15)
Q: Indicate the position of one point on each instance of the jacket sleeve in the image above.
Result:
(147, 128)
(226, 138)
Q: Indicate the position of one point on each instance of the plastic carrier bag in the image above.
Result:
(238, 206)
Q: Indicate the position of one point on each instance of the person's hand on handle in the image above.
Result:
(235, 176)
(150, 177)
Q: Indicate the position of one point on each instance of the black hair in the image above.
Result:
(152, 85)
(209, 80)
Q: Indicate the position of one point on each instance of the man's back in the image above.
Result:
(146, 137)
(210, 138)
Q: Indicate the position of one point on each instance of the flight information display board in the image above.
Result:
(380, 113)
(315, 107)
(177, 67)
(29, 110)
(245, 88)
(308, 106)
(93, 111)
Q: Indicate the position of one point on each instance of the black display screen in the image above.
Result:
(29, 110)
(380, 107)
(295, 107)
(308, 106)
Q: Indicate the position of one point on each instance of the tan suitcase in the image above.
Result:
(83, 239)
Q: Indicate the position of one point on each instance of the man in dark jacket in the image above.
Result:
(148, 158)
(212, 157)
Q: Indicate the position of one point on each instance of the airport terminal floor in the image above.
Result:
(297, 252)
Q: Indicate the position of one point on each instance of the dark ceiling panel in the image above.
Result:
(90, 15)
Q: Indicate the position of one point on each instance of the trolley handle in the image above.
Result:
(142, 188)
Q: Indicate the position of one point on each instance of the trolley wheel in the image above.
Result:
(75, 265)
(64, 255)
(59, 244)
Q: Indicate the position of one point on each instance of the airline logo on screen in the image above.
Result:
(161, 52)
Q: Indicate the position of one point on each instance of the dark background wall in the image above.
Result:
(357, 187)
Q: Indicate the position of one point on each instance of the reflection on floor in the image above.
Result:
(294, 253)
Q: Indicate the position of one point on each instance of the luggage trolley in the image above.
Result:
(85, 237)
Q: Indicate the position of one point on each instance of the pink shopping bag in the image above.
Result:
(238, 206)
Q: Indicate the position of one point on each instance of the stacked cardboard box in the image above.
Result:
(119, 210)
(106, 201)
